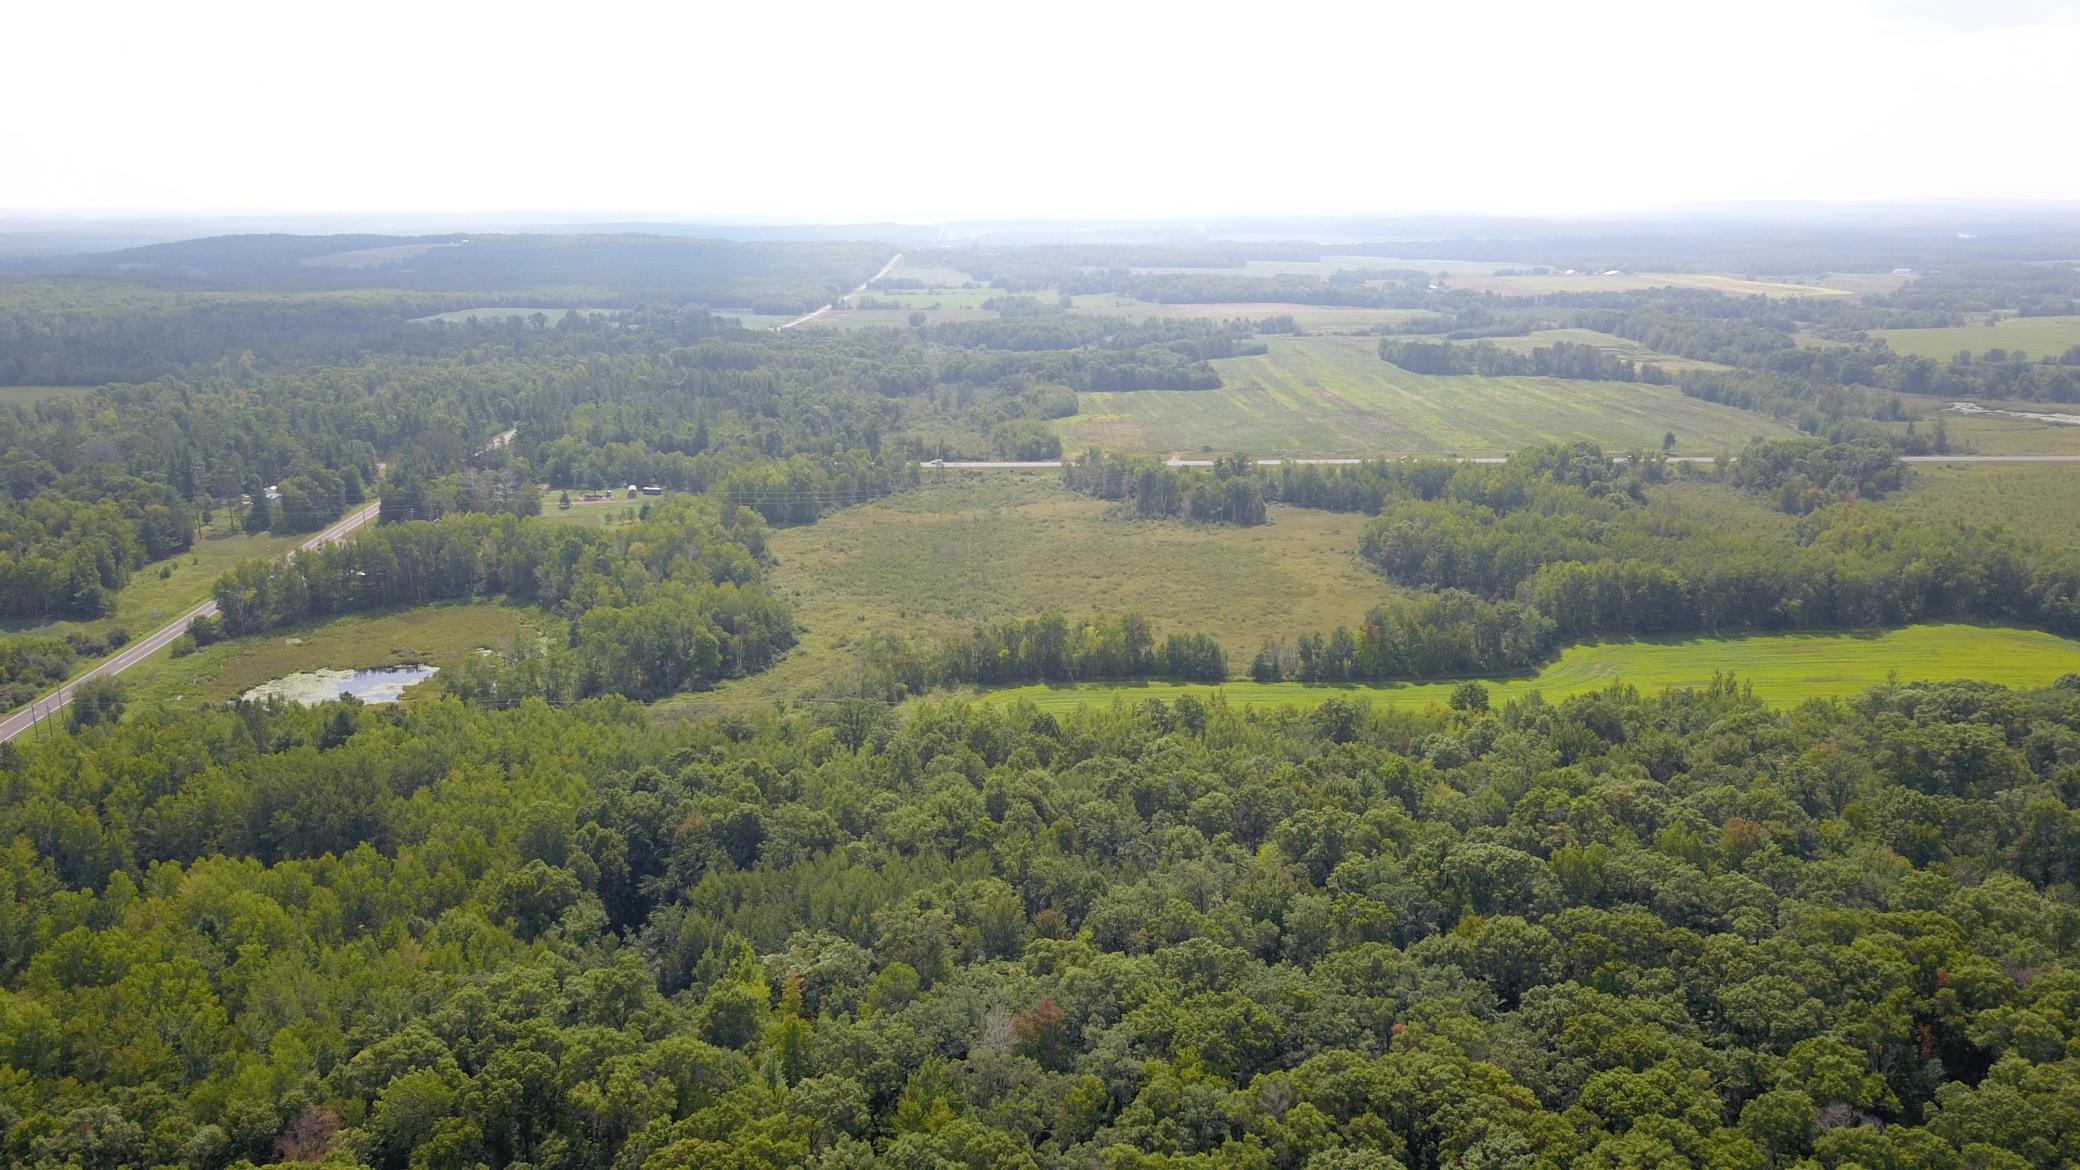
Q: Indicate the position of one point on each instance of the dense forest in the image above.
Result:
(1616, 931)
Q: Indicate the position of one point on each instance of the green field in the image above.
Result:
(1530, 286)
(895, 318)
(10, 395)
(2040, 499)
(2036, 336)
(1994, 434)
(988, 545)
(935, 275)
(1312, 318)
(149, 601)
(436, 635)
(1786, 669)
(500, 312)
(948, 298)
(1324, 396)
(1623, 347)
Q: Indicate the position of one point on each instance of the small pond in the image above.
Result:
(384, 684)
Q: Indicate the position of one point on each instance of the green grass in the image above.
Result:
(895, 318)
(149, 601)
(1994, 434)
(936, 275)
(2036, 336)
(1623, 347)
(11, 395)
(1324, 396)
(949, 298)
(500, 312)
(1312, 318)
(1786, 669)
(989, 545)
(1526, 286)
(439, 635)
(2040, 500)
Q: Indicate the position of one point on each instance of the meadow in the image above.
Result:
(149, 600)
(1312, 318)
(2036, 336)
(1610, 343)
(1327, 396)
(434, 635)
(978, 546)
(1993, 434)
(501, 312)
(2042, 499)
(1554, 282)
(23, 395)
(1785, 670)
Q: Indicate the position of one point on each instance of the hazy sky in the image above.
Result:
(923, 111)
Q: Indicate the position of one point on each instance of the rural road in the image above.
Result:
(807, 317)
(145, 647)
(1055, 464)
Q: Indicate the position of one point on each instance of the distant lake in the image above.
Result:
(383, 684)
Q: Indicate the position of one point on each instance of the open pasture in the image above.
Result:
(1330, 396)
(23, 395)
(1312, 318)
(502, 312)
(1531, 286)
(935, 275)
(980, 546)
(2039, 337)
(1623, 347)
(1786, 669)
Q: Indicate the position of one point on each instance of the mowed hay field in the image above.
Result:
(1786, 669)
(988, 545)
(11, 395)
(1994, 434)
(2039, 337)
(1328, 396)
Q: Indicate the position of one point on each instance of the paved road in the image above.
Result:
(805, 318)
(145, 647)
(1055, 464)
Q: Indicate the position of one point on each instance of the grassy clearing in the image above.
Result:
(2042, 500)
(894, 318)
(936, 275)
(439, 635)
(986, 545)
(501, 312)
(1324, 396)
(2036, 336)
(1330, 265)
(1786, 669)
(1995, 434)
(371, 257)
(1610, 343)
(757, 320)
(948, 298)
(150, 601)
(1313, 318)
(11, 395)
(1528, 286)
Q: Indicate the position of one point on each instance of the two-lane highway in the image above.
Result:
(805, 318)
(158, 639)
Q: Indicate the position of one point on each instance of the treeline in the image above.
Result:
(67, 546)
(1561, 359)
(34, 664)
(1681, 930)
(1058, 330)
(673, 602)
(1148, 488)
(1047, 648)
(1150, 367)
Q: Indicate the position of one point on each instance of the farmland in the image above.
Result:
(2036, 336)
(1786, 669)
(1317, 396)
(982, 546)
(1312, 318)
(11, 395)
(1531, 286)
(1612, 344)
(2003, 429)
(505, 312)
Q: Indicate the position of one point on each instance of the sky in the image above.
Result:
(930, 112)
